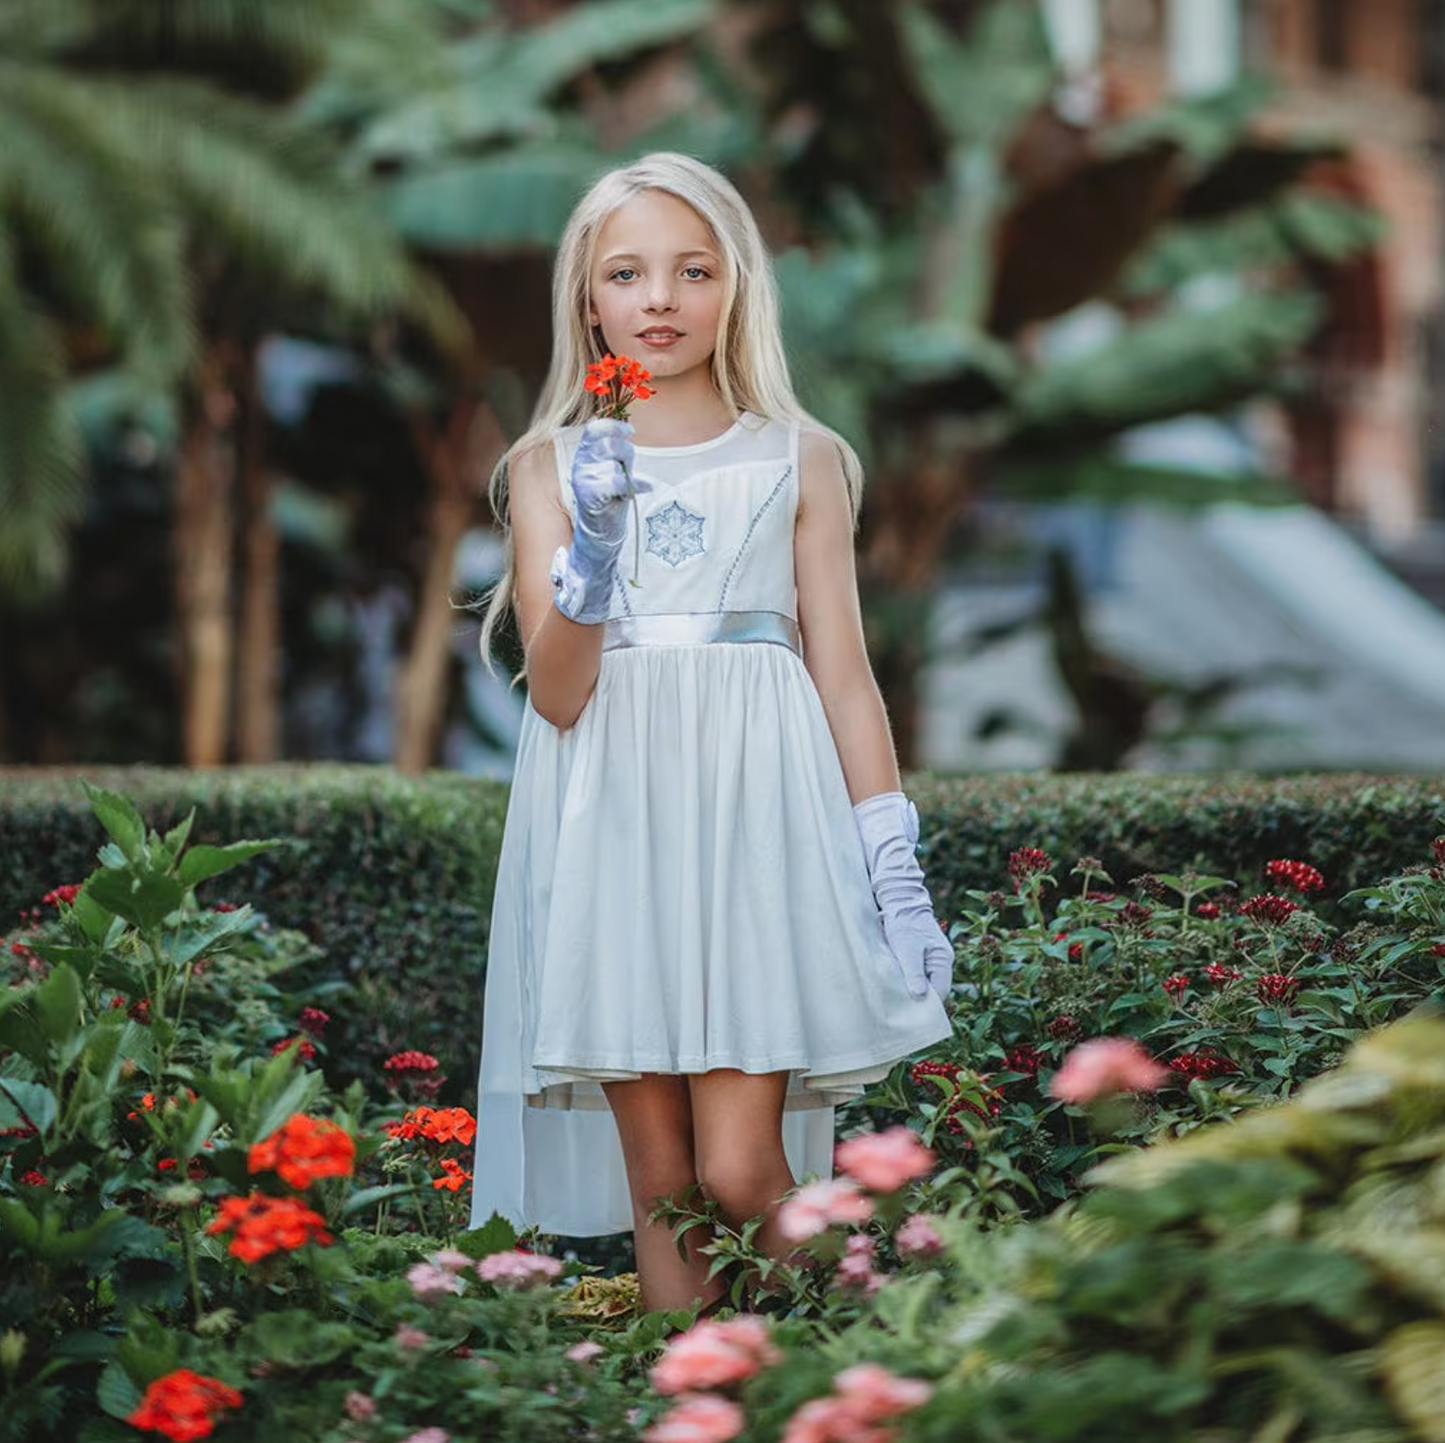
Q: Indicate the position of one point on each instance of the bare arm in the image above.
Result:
(563, 657)
(832, 623)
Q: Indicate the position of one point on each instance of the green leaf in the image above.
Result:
(57, 1004)
(18, 1222)
(496, 1235)
(21, 1100)
(368, 1197)
(115, 1393)
(144, 901)
(203, 862)
(175, 839)
(117, 814)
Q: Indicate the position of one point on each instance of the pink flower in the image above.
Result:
(884, 1161)
(697, 1420)
(866, 1396)
(429, 1435)
(856, 1269)
(583, 1352)
(517, 1270)
(410, 1338)
(815, 1206)
(454, 1260)
(360, 1407)
(711, 1355)
(874, 1393)
(918, 1238)
(1106, 1065)
(429, 1281)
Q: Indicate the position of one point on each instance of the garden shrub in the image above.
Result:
(389, 877)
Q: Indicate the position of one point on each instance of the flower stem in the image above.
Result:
(636, 528)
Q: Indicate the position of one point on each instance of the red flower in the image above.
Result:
(1064, 1028)
(263, 1225)
(1209, 911)
(1133, 914)
(1437, 847)
(140, 1011)
(1299, 875)
(1028, 862)
(304, 1149)
(453, 1177)
(1205, 1064)
(1025, 1059)
(1276, 987)
(410, 1062)
(313, 1020)
(436, 1124)
(1076, 949)
(34, 1179)
(618, 381)
(305, 1048)
(1438, 950)
(1269, 909)
(958, 1102)
(1176, 986)
(184, 1405)
(66, 894)
(1218, 972)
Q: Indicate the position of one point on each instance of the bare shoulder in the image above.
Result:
(821, 479)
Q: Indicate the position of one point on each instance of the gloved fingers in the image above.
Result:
(907, 948)
(938, 964)
(606, 440)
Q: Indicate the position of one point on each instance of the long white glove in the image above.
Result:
(583, 573)
(888, 826)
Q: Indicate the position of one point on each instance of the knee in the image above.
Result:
(660, 1177)
(745, 1185)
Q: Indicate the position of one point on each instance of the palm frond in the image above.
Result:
(1180, 361)
(41, 455)
(89, 209)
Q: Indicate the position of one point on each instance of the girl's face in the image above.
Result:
(657, 284)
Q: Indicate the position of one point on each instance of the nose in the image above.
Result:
(661, 293)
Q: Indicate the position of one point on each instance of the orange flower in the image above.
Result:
(184, 1405)
(453, 1177)
(436, 1124)
(263, 1225)
(303, 1149)
(618, 381)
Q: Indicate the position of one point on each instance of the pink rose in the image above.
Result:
(452, 1259)
(697, 1420)
(918, 1238)
(874, 1393)
(856, 1269)
(429, 1435)
(818, 1205)
(583, 1352)
(1106, 1065)
(360, 1407)
(884, 1161)
(711, 1355)
(518, 1270)
(410, 1338)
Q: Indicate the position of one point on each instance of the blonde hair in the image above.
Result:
(749, 367)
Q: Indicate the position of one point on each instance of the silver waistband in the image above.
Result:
(699, 628)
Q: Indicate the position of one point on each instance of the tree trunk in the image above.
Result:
(450, 458)
(204, 485)
(259, 652)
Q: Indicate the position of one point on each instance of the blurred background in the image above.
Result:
(1133, 308)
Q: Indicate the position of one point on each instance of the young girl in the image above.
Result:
(710, 926)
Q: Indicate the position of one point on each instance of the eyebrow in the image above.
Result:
(612, 260)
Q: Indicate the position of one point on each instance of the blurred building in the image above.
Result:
(1232, 636)
(1371, 449)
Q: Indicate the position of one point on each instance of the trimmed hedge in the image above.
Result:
(392, 877)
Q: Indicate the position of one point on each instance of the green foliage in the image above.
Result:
(389, 878)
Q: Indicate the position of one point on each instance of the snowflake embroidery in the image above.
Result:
(675, 534)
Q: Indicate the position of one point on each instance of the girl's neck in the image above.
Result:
(682, 413)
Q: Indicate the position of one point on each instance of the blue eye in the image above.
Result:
(695, 273)
(623, 273)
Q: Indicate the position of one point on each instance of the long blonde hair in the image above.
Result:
(749, 367)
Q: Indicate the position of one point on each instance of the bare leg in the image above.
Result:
(737, 1120)
(654, 1123)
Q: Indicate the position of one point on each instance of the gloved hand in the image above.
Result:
(888, 826)
(582, 574)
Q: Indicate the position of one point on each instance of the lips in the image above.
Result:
(659, 335)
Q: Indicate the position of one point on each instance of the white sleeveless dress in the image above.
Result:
(681, 886)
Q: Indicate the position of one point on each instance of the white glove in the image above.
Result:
(888, 827)
(583, 573)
